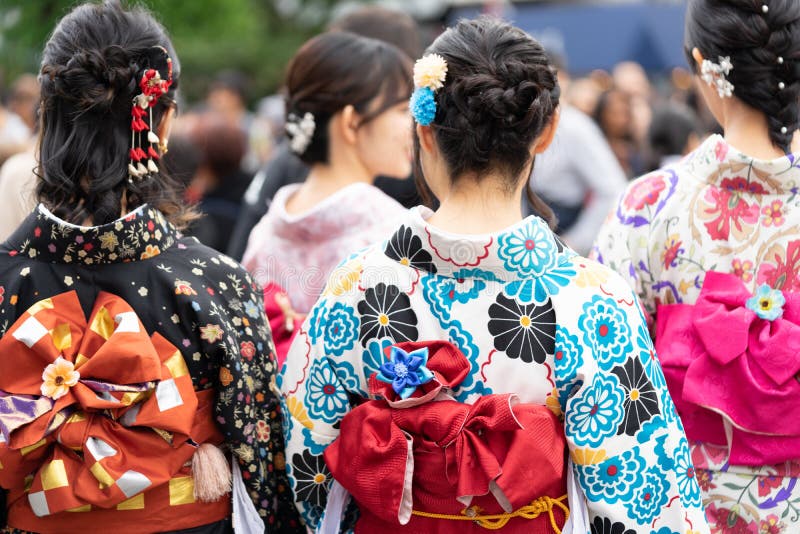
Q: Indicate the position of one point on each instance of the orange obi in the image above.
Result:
(99, 423)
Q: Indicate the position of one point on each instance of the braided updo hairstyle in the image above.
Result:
(755, 39)
(90, 71)
(500, 94)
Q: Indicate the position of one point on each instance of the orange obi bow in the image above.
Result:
(91, 413)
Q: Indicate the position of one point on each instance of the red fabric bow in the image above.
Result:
(125, 425)
(726, 366)
(495, 454)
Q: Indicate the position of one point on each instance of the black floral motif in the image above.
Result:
(523, 331)
(406, 247)
(603, 525)
(312, 478)
(386, 312)
(641, 398)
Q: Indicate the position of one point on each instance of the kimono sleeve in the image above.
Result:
(629, 451)
(315, 397)
(247, 408)
(624, 238)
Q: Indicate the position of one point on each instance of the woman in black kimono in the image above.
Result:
(134, 362)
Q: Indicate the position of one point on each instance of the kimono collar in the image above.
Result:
(139, 235)
(525, 250)
(346, 211)
(719, 163)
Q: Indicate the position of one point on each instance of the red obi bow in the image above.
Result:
(727, 366)
(95, 411)
(495, 454)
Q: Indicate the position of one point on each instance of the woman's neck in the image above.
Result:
(478, 207)
(747, 130)
(323, 181)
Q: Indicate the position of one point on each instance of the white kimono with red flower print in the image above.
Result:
(717, 210)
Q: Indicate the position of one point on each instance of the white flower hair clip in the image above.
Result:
(716, 75)
(430, 73)
(301, 131)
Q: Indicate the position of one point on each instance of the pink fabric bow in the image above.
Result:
(725, 365)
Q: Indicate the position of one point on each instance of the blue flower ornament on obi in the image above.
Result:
(767, 303)
(430, 73)
(406, 371)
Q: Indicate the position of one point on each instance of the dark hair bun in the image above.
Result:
(93, 79)
(500, 94)
(764, 49)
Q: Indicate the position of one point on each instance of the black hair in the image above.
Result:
(90, 71)
(384, 24)
(669, 132)
(339, 69)
(500, 93)
(755, 41)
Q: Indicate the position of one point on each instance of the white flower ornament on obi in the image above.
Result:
(58, 377)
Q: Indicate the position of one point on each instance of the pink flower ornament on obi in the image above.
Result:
(406, 371)
(731, 363)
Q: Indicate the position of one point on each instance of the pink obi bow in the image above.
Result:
(732, 374)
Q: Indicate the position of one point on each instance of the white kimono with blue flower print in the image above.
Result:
(533, 319)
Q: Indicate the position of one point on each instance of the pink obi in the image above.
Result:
(732, 374)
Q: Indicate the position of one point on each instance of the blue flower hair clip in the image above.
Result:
(430, 73)
(406, 371)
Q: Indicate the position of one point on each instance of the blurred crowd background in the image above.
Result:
(629, 104)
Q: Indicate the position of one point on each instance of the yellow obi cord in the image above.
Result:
(498, 521)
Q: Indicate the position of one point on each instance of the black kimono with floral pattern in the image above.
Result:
(203, 302)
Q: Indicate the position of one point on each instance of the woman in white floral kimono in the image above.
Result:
(481, 309)
(712, 247)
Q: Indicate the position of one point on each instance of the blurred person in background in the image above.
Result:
(23, 99)
(347, 119)
(218, 183)
(17, 174)
(578, 176)
(15, 135)
(674, 132)
(388, 25)
(614, 116)
(122, 370)
(631, 78)
(711, 245)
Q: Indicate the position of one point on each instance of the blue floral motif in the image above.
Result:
(286, 419)
(615, 479)
(472, 386)
(568, 358)
(406, 371)
(348, 376)
(684, 473)
(423, 105)
(648, 498)
(529, 251)
(664, 530)
(340, 330)
(310, 444)
(767, 303)
(651, 428)
(251, 309)
(647, 354)
(539, 289)
(325, 397)
(317, 319)
(597, 413)
(441, 292)
(375, 355)
(605, 329)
